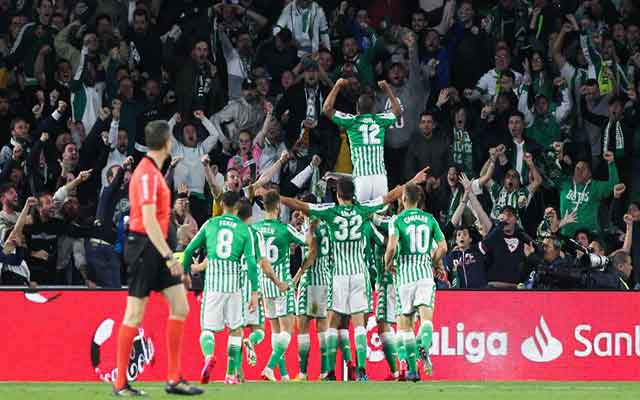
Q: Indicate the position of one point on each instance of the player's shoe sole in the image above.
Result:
(268, 375)
(182, 388)
(205, 374)
(231, 380)
(250, 352)
(426, 362)
(128, 391)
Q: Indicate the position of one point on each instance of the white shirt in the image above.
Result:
(519, 157)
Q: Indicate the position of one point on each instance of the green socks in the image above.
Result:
(207, 343)
(345, 344)
(389, 348)
(303, 351)
(410, 345)
(324, 352)
(233, 354)
(280, 342)
(257, 336)
(426, 333)
(361, 346)
(332, 348)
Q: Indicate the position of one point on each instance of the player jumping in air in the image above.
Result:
(366, 133)
(348, 286)
(412, 235)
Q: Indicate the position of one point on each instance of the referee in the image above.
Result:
(151, 264)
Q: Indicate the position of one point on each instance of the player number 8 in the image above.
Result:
(224, 243)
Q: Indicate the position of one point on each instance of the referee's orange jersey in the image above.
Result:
(147, 186)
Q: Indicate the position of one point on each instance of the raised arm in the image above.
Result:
(395, 104)
(295, 204)
(456, 218)
(476, 207)
(537, 178)
(395, 194)
(269, 173)
(390, 252)
(259, 139)
(214, 134)
(210, 176)
(329, 104)
(197, 242)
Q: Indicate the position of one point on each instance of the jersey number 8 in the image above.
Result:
(224, 243)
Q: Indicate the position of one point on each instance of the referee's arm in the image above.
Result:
(153, 230)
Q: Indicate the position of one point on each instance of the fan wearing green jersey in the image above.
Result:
(366, 132)
(412, 237)
(347, 295)
(227, 240)
(279, 307)
(254, 319)
(312, 280)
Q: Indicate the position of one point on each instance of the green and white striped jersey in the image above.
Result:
(319, 274)
(383, 277)
(227, 240)
(366, 137)
(417, 232)
(277, 237)
(258, 252)
(346, 226)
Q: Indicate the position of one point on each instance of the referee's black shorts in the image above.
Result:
(146, 269)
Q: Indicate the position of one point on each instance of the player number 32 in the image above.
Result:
(348, 228)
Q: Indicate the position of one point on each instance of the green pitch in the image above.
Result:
(340, 391)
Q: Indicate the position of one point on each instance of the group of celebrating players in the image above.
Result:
(247, 271)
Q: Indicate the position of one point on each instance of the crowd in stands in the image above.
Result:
(526, 111)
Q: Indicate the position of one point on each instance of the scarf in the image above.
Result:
(463, 150)
(619, 139)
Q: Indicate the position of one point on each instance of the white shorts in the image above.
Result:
(220, 310)
(256, 317)
(278, 307)
(312, 301)
(414, 294)
(349, 294)
(370, 187)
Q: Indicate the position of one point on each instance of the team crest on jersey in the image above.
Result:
(512, 243)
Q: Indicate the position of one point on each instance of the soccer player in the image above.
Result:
(311, 302)
(386, 301)
(151, 264)
(348, 282)
(254, 320)
(411, 237)
(227, 240)
(279, 308)
(366, 133)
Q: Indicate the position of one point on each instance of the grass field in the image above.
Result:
(340, 391)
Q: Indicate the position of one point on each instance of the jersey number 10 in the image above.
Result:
(418, 238)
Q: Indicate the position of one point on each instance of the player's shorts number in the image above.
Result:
(370, 134)
(418, 238)
(224, 243)
(272, 250)
(348, 228)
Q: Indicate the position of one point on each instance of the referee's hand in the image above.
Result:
(175, 267)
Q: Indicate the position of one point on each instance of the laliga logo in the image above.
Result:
(541, 347)
(374, 347)
(142, 353)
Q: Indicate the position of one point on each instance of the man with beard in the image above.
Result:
(412, 94)
(19, 137)
(244, 113)
(239, 60)
(145, 47)
(582, 195)
(429, 147)
(360, 62)
(9, 212)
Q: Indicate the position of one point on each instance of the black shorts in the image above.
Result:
(146, 269)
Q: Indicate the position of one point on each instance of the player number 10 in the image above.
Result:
(418, 238)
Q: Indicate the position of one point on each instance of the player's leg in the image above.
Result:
(359, 307)
(255, 321)
(276, 342)
(287, 322)
(304, 345)
(425, 299)
(322, 326)
(133, 315)
(407, 310)
(332, 344)
(386, 312)
(401, 350)
(232, 314)
(211, 321)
